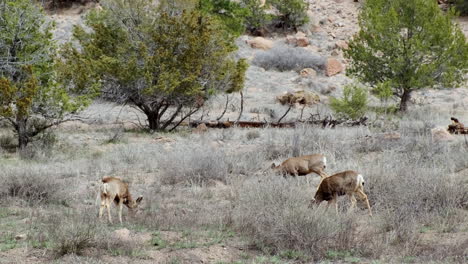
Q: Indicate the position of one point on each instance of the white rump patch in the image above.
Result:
(105, 188)
(360, 179)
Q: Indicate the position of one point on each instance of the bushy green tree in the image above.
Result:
(256, 18)
(166, 64)
(407, 45)
(32, 98)
(353, 105)
(293, 13)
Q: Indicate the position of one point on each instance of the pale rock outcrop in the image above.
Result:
(260, 43)
(333, 67)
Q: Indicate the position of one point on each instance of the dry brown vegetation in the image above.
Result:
(213, 190)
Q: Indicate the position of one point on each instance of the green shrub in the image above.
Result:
(255, 18)
(8, 141)
(227, 12)
(353, 105)
(292, 13)
(461, 6)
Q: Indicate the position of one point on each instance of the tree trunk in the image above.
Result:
(153, 121)
(404, 100)
(241, 107)
(225, 108)
(22, 131)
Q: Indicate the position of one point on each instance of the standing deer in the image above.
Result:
(343, 183)
(303, 165)
(116, 190)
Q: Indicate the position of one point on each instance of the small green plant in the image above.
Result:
(157, 241)
(7, 242)
(293, 254)
(293, 13)
(353, 105)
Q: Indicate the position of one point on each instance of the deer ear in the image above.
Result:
(138, 200)
(273, 165)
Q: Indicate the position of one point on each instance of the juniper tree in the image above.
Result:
(407, 45)
(32, 98)
(162, 61)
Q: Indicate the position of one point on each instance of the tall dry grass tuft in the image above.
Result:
(274, 214)
(29, 183)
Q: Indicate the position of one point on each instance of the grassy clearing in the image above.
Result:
(213, 188)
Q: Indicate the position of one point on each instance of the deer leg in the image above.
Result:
(364, 197)
(353, 202)
(101, 208)
(108, 202)
(336, 206)
(120, 210)
(332, 201)
(322, 174)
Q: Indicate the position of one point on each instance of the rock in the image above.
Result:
(342, 44)
(21, 237)
(260, 43)
(313, 48)
(316, 28)
(121, 234)
(440, 134)
(335, 53)
(201, 128)
(302, 42)
(333, 67)
(300, 34)
(308, 72)
(291, 40)
(299, 39)
(299, 97)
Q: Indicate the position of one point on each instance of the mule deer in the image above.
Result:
(114, 189)
(346, 182)
(303, 165)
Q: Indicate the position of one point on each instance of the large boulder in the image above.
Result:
(260, 43)
(333, 67)
(299, 97)
(308, 73)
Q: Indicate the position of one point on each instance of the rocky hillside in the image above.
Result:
(332, 24)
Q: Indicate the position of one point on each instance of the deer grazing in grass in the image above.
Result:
(115, 190)
(343, 183)
(303, 165)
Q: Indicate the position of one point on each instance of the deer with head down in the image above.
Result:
(303, 165)
(343, 183)
(115, 190)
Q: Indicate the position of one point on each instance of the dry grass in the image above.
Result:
(284, 58)
(220, 181)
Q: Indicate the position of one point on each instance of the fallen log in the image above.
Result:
(327, 122)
